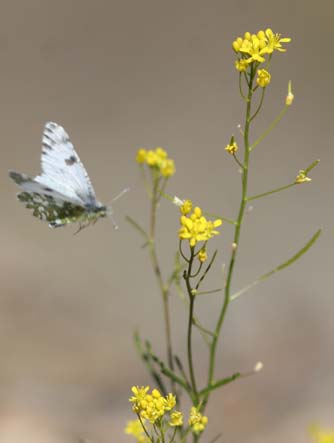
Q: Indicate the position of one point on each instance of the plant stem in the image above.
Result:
(157, 271)
(264, 194)
(190, 324)
(212, 357)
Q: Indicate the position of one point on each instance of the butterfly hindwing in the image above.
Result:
(46, 208)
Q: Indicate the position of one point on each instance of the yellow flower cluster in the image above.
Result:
(153, 406)
(197, 421)
(254, 47)
(157, 159)
(194, 226)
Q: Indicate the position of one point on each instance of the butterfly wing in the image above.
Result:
(46, 203)
(62, 169)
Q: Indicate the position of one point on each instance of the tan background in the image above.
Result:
(124, 74)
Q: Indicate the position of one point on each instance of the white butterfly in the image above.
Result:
(63, 193)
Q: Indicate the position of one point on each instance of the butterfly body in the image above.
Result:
(63, 193)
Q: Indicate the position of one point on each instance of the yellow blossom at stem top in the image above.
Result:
(195, 227)
(255, 47)
(157, 159)
(263, 78)
(197, 421)
(274, 41)
(151, 406)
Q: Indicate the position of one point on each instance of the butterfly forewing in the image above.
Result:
(62, 168)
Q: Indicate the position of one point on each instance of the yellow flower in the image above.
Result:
(151, 158)
(141, 155)
(274, 41)
(170, 402)
(195, 227)
(202, 255)
(302, 177)
(161, 153)
(197, 421)
(241, 65)
(139, 393)
(263, 78)
(254, 47)
(186, 207)
(176, 419)
(167, 167)
(157, 159)
(231, 148)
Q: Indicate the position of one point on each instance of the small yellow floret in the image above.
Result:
(186, 207)
(241, 65)
(170, 402)
(231, 148)
(274, 41)
(302, 177)
(167, 167)
(176, 419)
(263, 78)
(202, 255)
(197, 421)
(141, 155)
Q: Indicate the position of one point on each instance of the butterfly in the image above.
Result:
(63, 192)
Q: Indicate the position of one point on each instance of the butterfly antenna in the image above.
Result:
(124, 191)
(110, 215)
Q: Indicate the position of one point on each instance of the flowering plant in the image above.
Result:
(157, 420)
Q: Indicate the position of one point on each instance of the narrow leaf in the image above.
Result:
(220, 383)
(283, 265)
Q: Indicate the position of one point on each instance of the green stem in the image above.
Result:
(260, 105)
(212, 357)
(264, 194)
(157, 271)
(238, 161)
(190, 324)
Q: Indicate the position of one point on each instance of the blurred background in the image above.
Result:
(120, 75)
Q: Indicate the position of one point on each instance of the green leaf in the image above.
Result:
(218, 384)
(283, 265)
